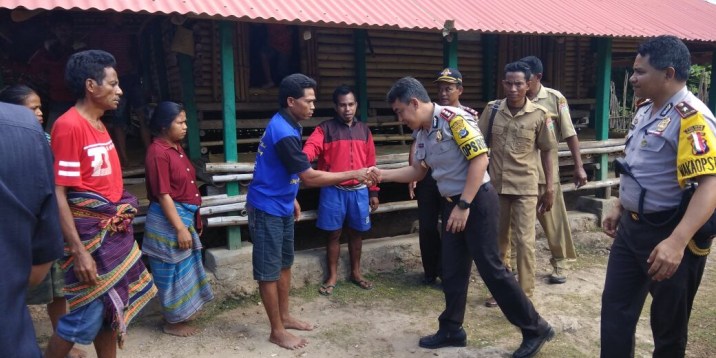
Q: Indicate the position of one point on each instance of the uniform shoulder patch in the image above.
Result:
(685, 110)
(447, 114)
(471, 111)
(643, 102)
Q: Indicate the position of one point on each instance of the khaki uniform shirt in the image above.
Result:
(516, 142)
(558, 109)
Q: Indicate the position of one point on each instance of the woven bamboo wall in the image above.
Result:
(568, 61)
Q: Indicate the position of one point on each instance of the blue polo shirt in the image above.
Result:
(279, 159)
(30, 226)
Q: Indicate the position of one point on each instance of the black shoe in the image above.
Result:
(444, 338)
(530, 346)
(557, 276)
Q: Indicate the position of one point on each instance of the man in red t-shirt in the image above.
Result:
(102, 259)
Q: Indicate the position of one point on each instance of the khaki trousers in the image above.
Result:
(555, 224)
(517, 227)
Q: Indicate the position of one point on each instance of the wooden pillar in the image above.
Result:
(159, 60)
(229, 108)
(186, 72)
(146, 62)
(604, 77)
(712, 85)
(361, 79)
(489, 66)
(450, 51)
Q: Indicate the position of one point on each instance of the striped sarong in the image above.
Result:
(179, 274)
(106, 232)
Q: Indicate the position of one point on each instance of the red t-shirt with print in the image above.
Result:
(85, 158)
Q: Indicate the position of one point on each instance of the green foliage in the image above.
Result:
(699, 79)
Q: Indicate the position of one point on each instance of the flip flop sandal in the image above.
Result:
(326, 290)
(362, 284)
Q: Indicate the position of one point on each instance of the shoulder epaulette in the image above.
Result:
(553, 92)
(643, 102)
(471, 111)
(541, 108)
(685, 110)
(447, 114)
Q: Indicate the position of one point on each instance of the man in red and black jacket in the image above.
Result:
(340, 144)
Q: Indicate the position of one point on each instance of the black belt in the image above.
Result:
(699, 245)
(655, 217)
(456, 198)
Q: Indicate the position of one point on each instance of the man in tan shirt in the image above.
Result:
(555, 222)
(519, 136)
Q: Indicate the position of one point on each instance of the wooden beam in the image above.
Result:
(450, 51)
(361, 75)
(186, 72)
(604, 76)
(229, 109)
(712, 85)
(489, 66)
(159, 60)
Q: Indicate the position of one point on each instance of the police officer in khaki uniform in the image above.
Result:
(521, 136)
(555, 222)
(660, 240)
(449, 86)
(449, 142)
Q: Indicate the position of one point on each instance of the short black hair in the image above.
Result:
(406, 88)
(667, 51)
(164, 114)
(519, 66)
(342, 90)
(294, 86)
(535, 64)
(85, 65)
(16, 94)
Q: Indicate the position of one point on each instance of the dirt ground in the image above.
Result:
(388, 320)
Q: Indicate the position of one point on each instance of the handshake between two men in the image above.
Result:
(368, 176)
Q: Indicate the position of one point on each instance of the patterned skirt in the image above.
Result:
(178, 274)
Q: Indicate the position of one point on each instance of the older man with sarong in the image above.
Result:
(106, 284)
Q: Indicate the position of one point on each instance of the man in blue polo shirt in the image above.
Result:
(30, 228)
(272, 206)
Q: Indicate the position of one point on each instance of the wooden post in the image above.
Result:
(601, 126)
(144, 41)
(233, 233)
(489, 66)
(159, 60)
(361, 79)
(712, 85)
(450, 51)
(186, 72)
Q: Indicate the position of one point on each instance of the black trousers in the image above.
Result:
(478, 242)
(429, 208)
(627, 284)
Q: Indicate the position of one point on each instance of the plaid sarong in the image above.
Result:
(106, 232)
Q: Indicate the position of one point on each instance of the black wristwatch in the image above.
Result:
(462, 204)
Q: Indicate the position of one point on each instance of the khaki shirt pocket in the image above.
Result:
(524, 141)
(498, 136)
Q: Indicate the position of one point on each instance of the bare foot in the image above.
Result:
(287, 340)
(292, 323)
(180, 329)
(77, 353)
